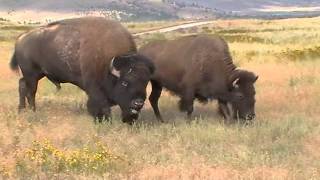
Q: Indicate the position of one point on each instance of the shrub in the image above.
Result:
(301, 54)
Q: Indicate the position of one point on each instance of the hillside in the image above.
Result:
(171, 9)
(249, 5)
(125, 9)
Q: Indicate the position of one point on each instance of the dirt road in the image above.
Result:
(173, 28)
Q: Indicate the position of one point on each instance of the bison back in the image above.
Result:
(193, 61)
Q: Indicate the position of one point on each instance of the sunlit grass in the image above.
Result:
(61, 140)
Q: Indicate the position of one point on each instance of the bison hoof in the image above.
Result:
(21, 108)
(160, 119)
(182, 106)
(101, 119)
(130, 122)
(130, 119)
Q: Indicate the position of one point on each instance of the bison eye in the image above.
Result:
(124, 83)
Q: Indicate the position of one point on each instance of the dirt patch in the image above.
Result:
(312, 146)
(179, 172)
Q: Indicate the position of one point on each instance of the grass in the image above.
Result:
(61, 141)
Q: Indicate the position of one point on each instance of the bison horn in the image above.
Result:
(113, 70)
(235, 83)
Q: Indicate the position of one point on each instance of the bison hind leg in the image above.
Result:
(32, 85)
(154, 99)
(22, 94)
(55, 82)
(27, 90)
(202, 99)
(58, 86)
(186, 105)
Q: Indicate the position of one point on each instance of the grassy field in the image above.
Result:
(60, 140)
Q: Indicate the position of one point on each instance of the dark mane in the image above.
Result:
(230, 67)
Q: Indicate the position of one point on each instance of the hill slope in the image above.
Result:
(160, 9)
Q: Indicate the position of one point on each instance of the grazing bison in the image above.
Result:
(97, 55)
(200, 67)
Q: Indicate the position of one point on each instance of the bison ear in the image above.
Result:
(230, 96)
(151, 66)
(148, 62)
(256, 78)
(242, 76)
(119, 62)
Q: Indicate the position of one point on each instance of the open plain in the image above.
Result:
(61, 141)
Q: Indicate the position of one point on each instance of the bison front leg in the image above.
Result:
(186, 102)
(98, 105)
(129, 119)
(154, 99)
(226, 110)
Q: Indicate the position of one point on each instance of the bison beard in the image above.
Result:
(97, 55)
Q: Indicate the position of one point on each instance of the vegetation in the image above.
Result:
(48, 159)
(60, 140)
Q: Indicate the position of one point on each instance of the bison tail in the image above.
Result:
(14, 63)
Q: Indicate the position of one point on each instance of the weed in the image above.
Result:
(46, 158)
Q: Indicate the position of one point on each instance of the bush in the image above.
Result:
(300, 54)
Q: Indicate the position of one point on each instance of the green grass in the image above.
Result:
(9, 31)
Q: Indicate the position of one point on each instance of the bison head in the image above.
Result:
(131, 75)
(241, 99)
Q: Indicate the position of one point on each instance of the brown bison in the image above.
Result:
(97, 55)
(200, 67)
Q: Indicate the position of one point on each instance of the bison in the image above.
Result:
(97, 55)
(200, 67)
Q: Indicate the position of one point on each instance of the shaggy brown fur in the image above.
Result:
(80, 51)
(200, 67)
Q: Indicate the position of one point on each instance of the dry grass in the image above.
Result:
(283, 143)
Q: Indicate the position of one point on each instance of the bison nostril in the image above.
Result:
(138, 103)
(250, 116)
